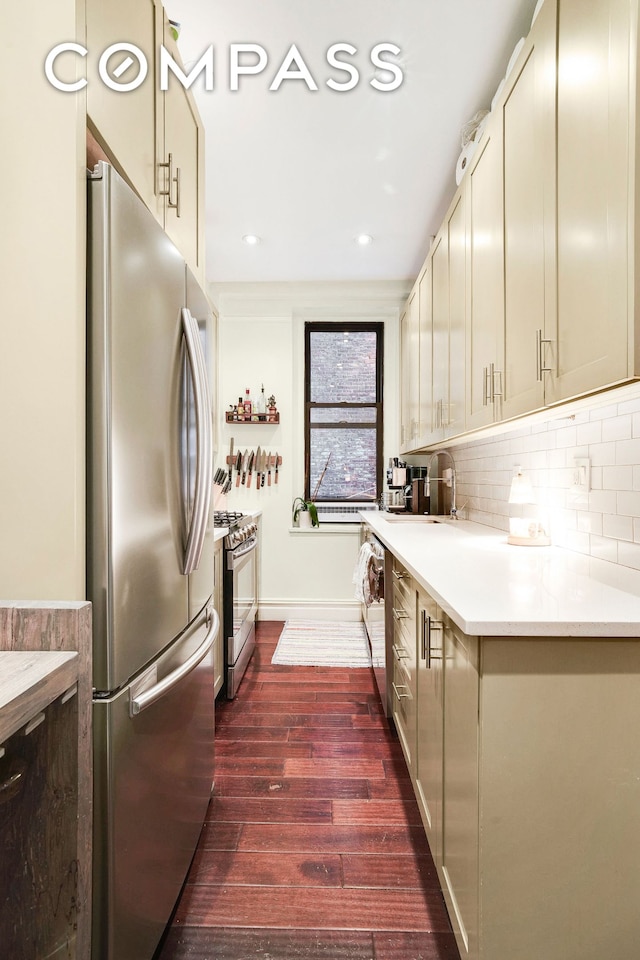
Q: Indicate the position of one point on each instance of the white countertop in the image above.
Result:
(490, 587)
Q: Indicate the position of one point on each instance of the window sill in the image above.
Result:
(343, 528)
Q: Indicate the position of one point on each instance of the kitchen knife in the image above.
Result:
(238, 468)
(269, 469)
(230, 460)
(250, 468)
(257, 466)
(245, 461)
(276, 478)
(264, 468)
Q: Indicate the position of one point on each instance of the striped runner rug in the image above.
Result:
(317, 643)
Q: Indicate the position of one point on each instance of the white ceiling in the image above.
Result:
(308, 171)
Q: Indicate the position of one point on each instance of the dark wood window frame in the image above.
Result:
(376, 327)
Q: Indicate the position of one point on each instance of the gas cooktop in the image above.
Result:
(227, 518)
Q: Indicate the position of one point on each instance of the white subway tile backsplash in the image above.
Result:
(602, 501)
(588, 433)
(629, 555)
(601, 454)
(617, 428)
(629, 503)
(604, 549)
(628, 451)
(617, 478)
(629, 406)
(618, 528)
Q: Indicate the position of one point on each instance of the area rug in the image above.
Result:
(314, 643)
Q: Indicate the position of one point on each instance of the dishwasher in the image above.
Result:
(372, 572)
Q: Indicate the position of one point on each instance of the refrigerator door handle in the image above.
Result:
(140, 701)
(204, 463)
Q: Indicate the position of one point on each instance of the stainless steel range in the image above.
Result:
(240, 594)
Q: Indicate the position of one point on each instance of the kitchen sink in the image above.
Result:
(410, 518)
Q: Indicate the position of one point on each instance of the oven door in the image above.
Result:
(242, 577)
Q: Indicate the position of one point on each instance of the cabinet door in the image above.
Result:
(528, 117)
(125, 122)
(428, 765)
(485, 277)
(460, 786)
(184, 141)
(218, 653)
(455, 398)
(440, 342)
(593, 194)
(410, 371)
(404, 661)
(425, 338)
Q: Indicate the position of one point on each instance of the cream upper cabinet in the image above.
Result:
(182, 169)
(528, 127)
(410, 379)
(425, 339)
(125, 122)
(485, 280)
(154, 138)
(430, 694)
(596, 44)
(448, 324)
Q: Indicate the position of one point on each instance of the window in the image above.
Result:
(343, 411)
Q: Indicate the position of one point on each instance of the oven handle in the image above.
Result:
(158, 690)
(241, 551)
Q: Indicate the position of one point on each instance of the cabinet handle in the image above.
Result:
(496, 393)
(540, 341)
(397, 688)
(399, 614)
(400, 653)
(399, 576)
(427, 626)
(485, 386)
(171, 179)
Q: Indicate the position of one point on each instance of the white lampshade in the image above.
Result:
(521, 489)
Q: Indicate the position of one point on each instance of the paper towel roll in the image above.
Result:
(464, 159)
(514, 56)
(536, 11)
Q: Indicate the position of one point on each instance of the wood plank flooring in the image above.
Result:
(313, 847)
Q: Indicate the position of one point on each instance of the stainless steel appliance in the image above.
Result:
(373, 608)
(240, 598)
(149, 567)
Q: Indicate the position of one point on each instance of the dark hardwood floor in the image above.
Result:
(313, 846)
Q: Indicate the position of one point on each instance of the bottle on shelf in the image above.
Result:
(247, 404)
(261, 403)
(240, 409)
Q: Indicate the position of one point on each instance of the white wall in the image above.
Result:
(261, 340)
(42, 311)
(602, 523)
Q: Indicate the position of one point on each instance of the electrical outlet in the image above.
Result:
(581, 482)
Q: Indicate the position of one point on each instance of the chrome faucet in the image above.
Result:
(428, 481)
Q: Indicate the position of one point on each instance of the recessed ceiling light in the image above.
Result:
(251, 239)
(364, 239)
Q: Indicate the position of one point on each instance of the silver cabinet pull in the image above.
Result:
(399, 614)
(427, 626)
(399, 576)
(400, 652)
(397, 688)
(485, 386)
(540, 341)
(171, 179)
(496, 374)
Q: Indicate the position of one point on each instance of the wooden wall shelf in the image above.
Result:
(263, 418)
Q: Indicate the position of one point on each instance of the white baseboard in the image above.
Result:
(310, 610)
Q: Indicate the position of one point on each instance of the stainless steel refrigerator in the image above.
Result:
(150, 567)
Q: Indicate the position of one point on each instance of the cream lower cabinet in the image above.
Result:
(154, 138)
(428, 766)
(525, 772)
(404, 661)
(218, 592)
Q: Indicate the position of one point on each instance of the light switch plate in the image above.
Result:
(581, 475)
